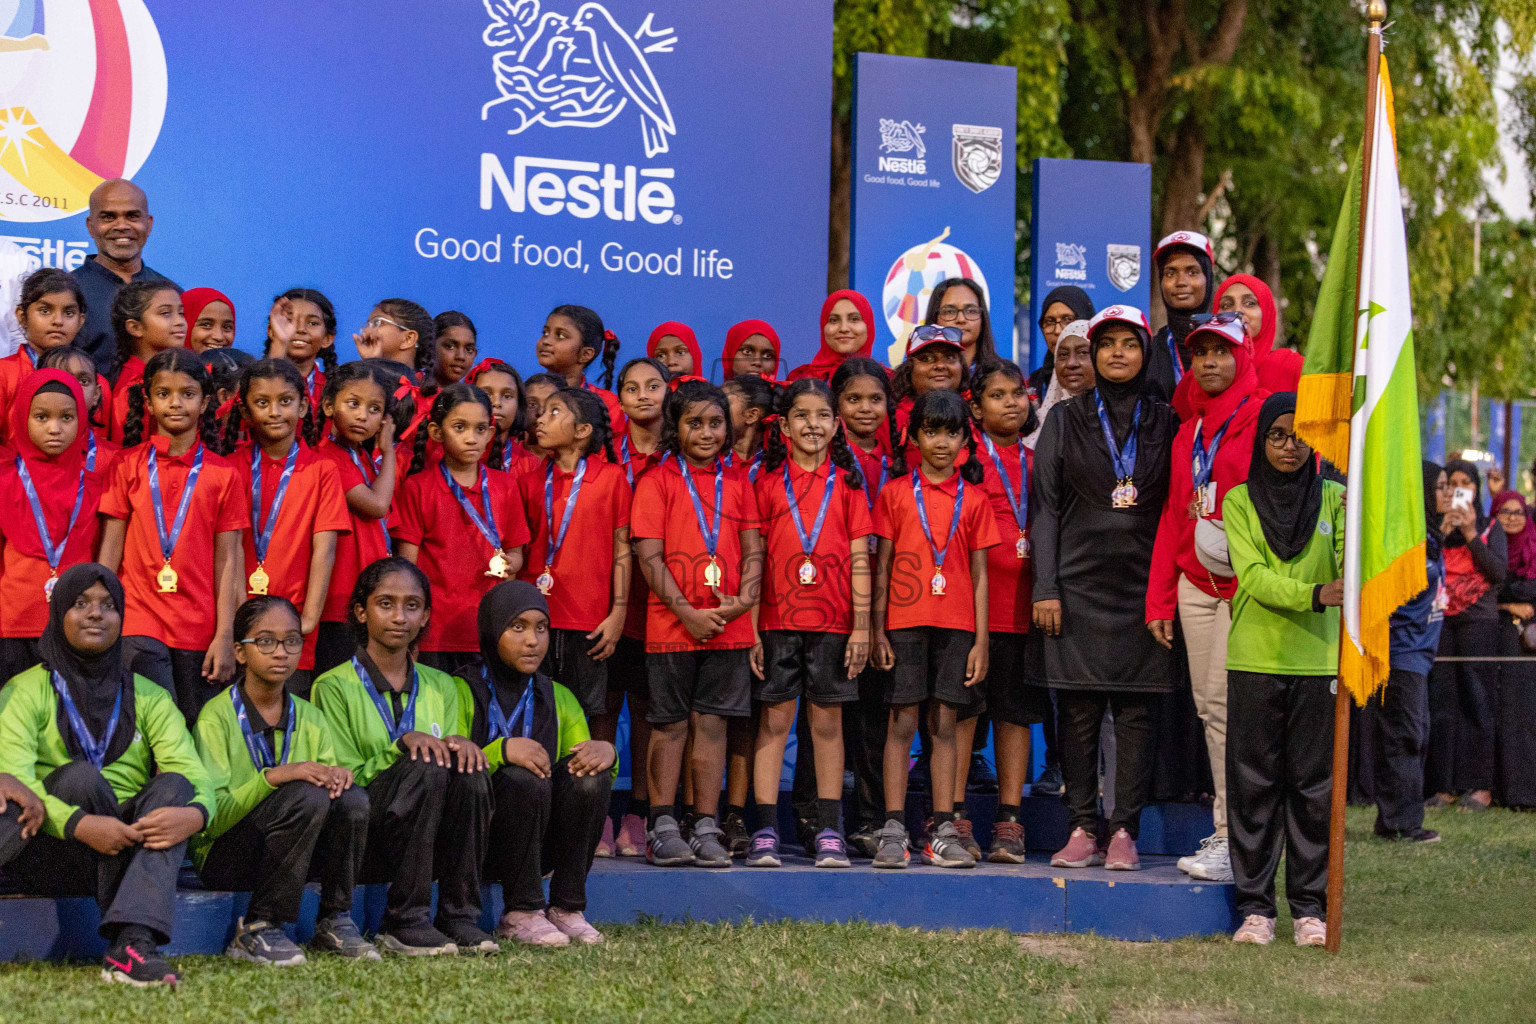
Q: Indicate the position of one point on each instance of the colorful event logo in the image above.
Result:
(576, 72)
(911, 281)
(84, 87)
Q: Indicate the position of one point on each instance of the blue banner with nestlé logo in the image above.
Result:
(655, 160)
(933, 188)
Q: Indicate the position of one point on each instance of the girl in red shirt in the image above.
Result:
(752, 401)
(697, 540)
(302, 329)
(751, 346)
(147, 317)
(676, 347)
(930, 614)
(537, 389)
(401, 331)
(457, 343)
(50, 311)
(813, 620)
(210, 319)
(360, 444)
(503, 385)
(462, 523)
(572, 337)
(48, 505)
(295, 501)
(174, 513)
(100, 453)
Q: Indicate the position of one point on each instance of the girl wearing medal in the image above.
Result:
(100, 453)
(1000, 403)
(676, 347)
(812, 624)
(696, 537)
(359, 442)
(50, 312)
(281, 798)
(551, 780)
(174, 514)
(147, 318)
(298, 507)
(571, 338)
(393, 722)
(1101, 476)
(49, 501)
(930, 615)
(463, 523)
(120, 780)
(503, 385)
(1191, 577)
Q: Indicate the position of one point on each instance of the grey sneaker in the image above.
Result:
(339, 934)
(261, 942)
(708, 844)
(665, 846)
(1184, 863)
(1214, 864)
(893, 852)
(418, 940)
(945, 849)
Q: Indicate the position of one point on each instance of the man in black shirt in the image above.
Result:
(119, 222)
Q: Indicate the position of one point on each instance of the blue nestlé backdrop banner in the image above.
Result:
(933, 187)
(495, 156)
(1091, 222)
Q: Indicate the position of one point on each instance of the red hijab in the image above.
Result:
(739, 333)
(1279, 369)
(684, 333)
(194, 300)
(56, 478)
(1216, 408)
(826, 361)
(1522, 545)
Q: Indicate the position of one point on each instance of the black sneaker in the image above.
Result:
(468, 938)
(415, 940)
(1050, 783)
(139, 964)
(262, 942)
(708, 845)
(737, 839)
(865, 842)
(982, 778)
(339, 934)
(1409, 835)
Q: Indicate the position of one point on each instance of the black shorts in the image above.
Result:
(930, 665)
(799, 663)
(1010, 697)
(569, 664)
(626, 669)
(711, 682)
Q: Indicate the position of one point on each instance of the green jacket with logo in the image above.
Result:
(360, 737)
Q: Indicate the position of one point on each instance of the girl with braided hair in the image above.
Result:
(572, 337)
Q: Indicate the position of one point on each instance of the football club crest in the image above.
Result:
(977, 155)
(1123, 265)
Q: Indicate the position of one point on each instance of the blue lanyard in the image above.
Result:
(407, 721)
(808, 541)
(555, 539)
(755, 468)
(1124, 459)
(168, 538)
(95, 750)
(922, 515)
(90, 449)
(501, 726)
(1019, 504)
(1173, 353)
(711, 537)
(51, 551)
(629, 469)
(506, 455)
(256, 742)
(261, 534)
(383, 525)
(885, 474)
(1203, 460)
(486, 526)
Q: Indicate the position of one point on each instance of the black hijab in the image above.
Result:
(1120, 398)
(503, 603)
(1075, 299)
(1180, 321)
(1432, 538)
(94, 680)
(1456, 540)
(1288, 504)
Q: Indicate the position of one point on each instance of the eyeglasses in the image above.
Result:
(293, 643)
(1221, 319)
(1059, 322)
(956, 312)
(380, 321)
(1281, 439)
(934, 332)
(1511, 512)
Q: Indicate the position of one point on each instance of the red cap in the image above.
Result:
(927, 335)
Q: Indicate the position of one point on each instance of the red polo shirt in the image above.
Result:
(1010, 579)
(23, 610)
(636, 465)
(826, 604)
(131, 374)
(911, 602)
(366, 539)
(583, 568)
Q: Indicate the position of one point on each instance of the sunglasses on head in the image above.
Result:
(934, 332)
(1219, 319)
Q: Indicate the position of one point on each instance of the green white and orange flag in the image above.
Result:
(1358, 406)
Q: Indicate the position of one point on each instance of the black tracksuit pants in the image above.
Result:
(1079, 717)
(542, 826)
(1401, 722)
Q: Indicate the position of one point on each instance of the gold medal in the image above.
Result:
(259, 582)
(499, 566)
(166, 578)
(545, 582)
(713, 577)
(1021, 546)
(807, 573)
(938, 584)
(1123, 496)
(48, 587)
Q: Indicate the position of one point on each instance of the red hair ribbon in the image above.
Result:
(223, 411)
(423, 409)
(488, 363)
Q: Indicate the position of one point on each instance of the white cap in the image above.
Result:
(1120, 314)
(1193, 239)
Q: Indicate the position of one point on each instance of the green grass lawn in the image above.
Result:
(1440, 933)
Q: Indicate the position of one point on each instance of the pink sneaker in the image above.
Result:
(1122, 854)
(1256, 929)
(531, 928)
(605, 844)
(1310, 931)
(574, 924)
(630, 841)
(1081, 851)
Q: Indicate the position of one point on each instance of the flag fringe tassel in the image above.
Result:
(1364, 673)
(1323, 410)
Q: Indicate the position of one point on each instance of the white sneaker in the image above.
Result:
(1310, 931)
(1214, 863)
(1185, 862)
(1256, 929)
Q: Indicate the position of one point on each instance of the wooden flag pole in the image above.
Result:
(1376, 13)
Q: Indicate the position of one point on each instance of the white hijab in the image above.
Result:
(1055, 393)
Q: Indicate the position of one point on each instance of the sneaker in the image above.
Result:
(865, 842)
(944, 849)
(665, 846)
(737, 839)
(417, 940)
(1205, 844)
(708, 844)
(339, 934)
(137, 963)
(893, 851)
(765, 849)
(630, 842)
(1214, 863)
(573, 923)
(831, 852)
(469, 938)
(1413, 835)
(982, 778)
(262, 942)
(531, 928)
(1310, 931)
(968, 838)
(1007, 843)
(1122, 855)
(1050, 783)
(1081, 851)
(605, 844)
(1256, 929)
